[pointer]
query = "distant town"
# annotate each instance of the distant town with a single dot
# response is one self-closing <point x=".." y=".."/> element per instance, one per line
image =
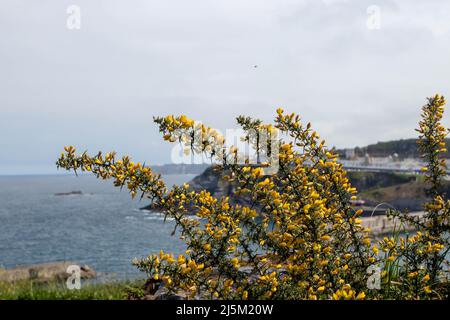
<point x="391" y="156"/>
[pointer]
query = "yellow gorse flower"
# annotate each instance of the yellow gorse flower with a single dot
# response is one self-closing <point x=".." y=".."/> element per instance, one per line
<point x="297" y="236"/>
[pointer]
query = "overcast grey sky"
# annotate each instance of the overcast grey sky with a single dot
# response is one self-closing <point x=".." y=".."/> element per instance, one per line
<point x="98" y="87"/>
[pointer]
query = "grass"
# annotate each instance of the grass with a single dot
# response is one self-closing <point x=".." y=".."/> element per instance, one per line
<point x="410" y="190"/>
<point x="29" y="290"/>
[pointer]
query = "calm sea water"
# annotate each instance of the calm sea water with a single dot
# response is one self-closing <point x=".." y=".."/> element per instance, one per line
<point x="103" y="227"/>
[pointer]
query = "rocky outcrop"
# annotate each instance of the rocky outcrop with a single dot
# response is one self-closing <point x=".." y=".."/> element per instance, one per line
<point x="44" y="272"/>
<point x="212" y="181"/>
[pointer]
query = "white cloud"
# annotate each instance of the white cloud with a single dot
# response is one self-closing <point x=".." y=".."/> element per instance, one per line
<point x="99" y="87"/>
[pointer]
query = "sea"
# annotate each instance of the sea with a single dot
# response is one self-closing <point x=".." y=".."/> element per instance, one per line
<point x="102" y="227"/>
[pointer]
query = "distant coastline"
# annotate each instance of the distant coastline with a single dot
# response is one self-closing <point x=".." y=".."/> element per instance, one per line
<point x="182" y="168"/>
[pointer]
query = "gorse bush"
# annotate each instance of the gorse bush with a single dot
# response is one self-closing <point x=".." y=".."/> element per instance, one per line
<point x="300" y="237"/>
<point x="421" y="261"/>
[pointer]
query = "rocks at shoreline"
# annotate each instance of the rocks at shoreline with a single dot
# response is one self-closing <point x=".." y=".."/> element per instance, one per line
<point x="44" y="272"/>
